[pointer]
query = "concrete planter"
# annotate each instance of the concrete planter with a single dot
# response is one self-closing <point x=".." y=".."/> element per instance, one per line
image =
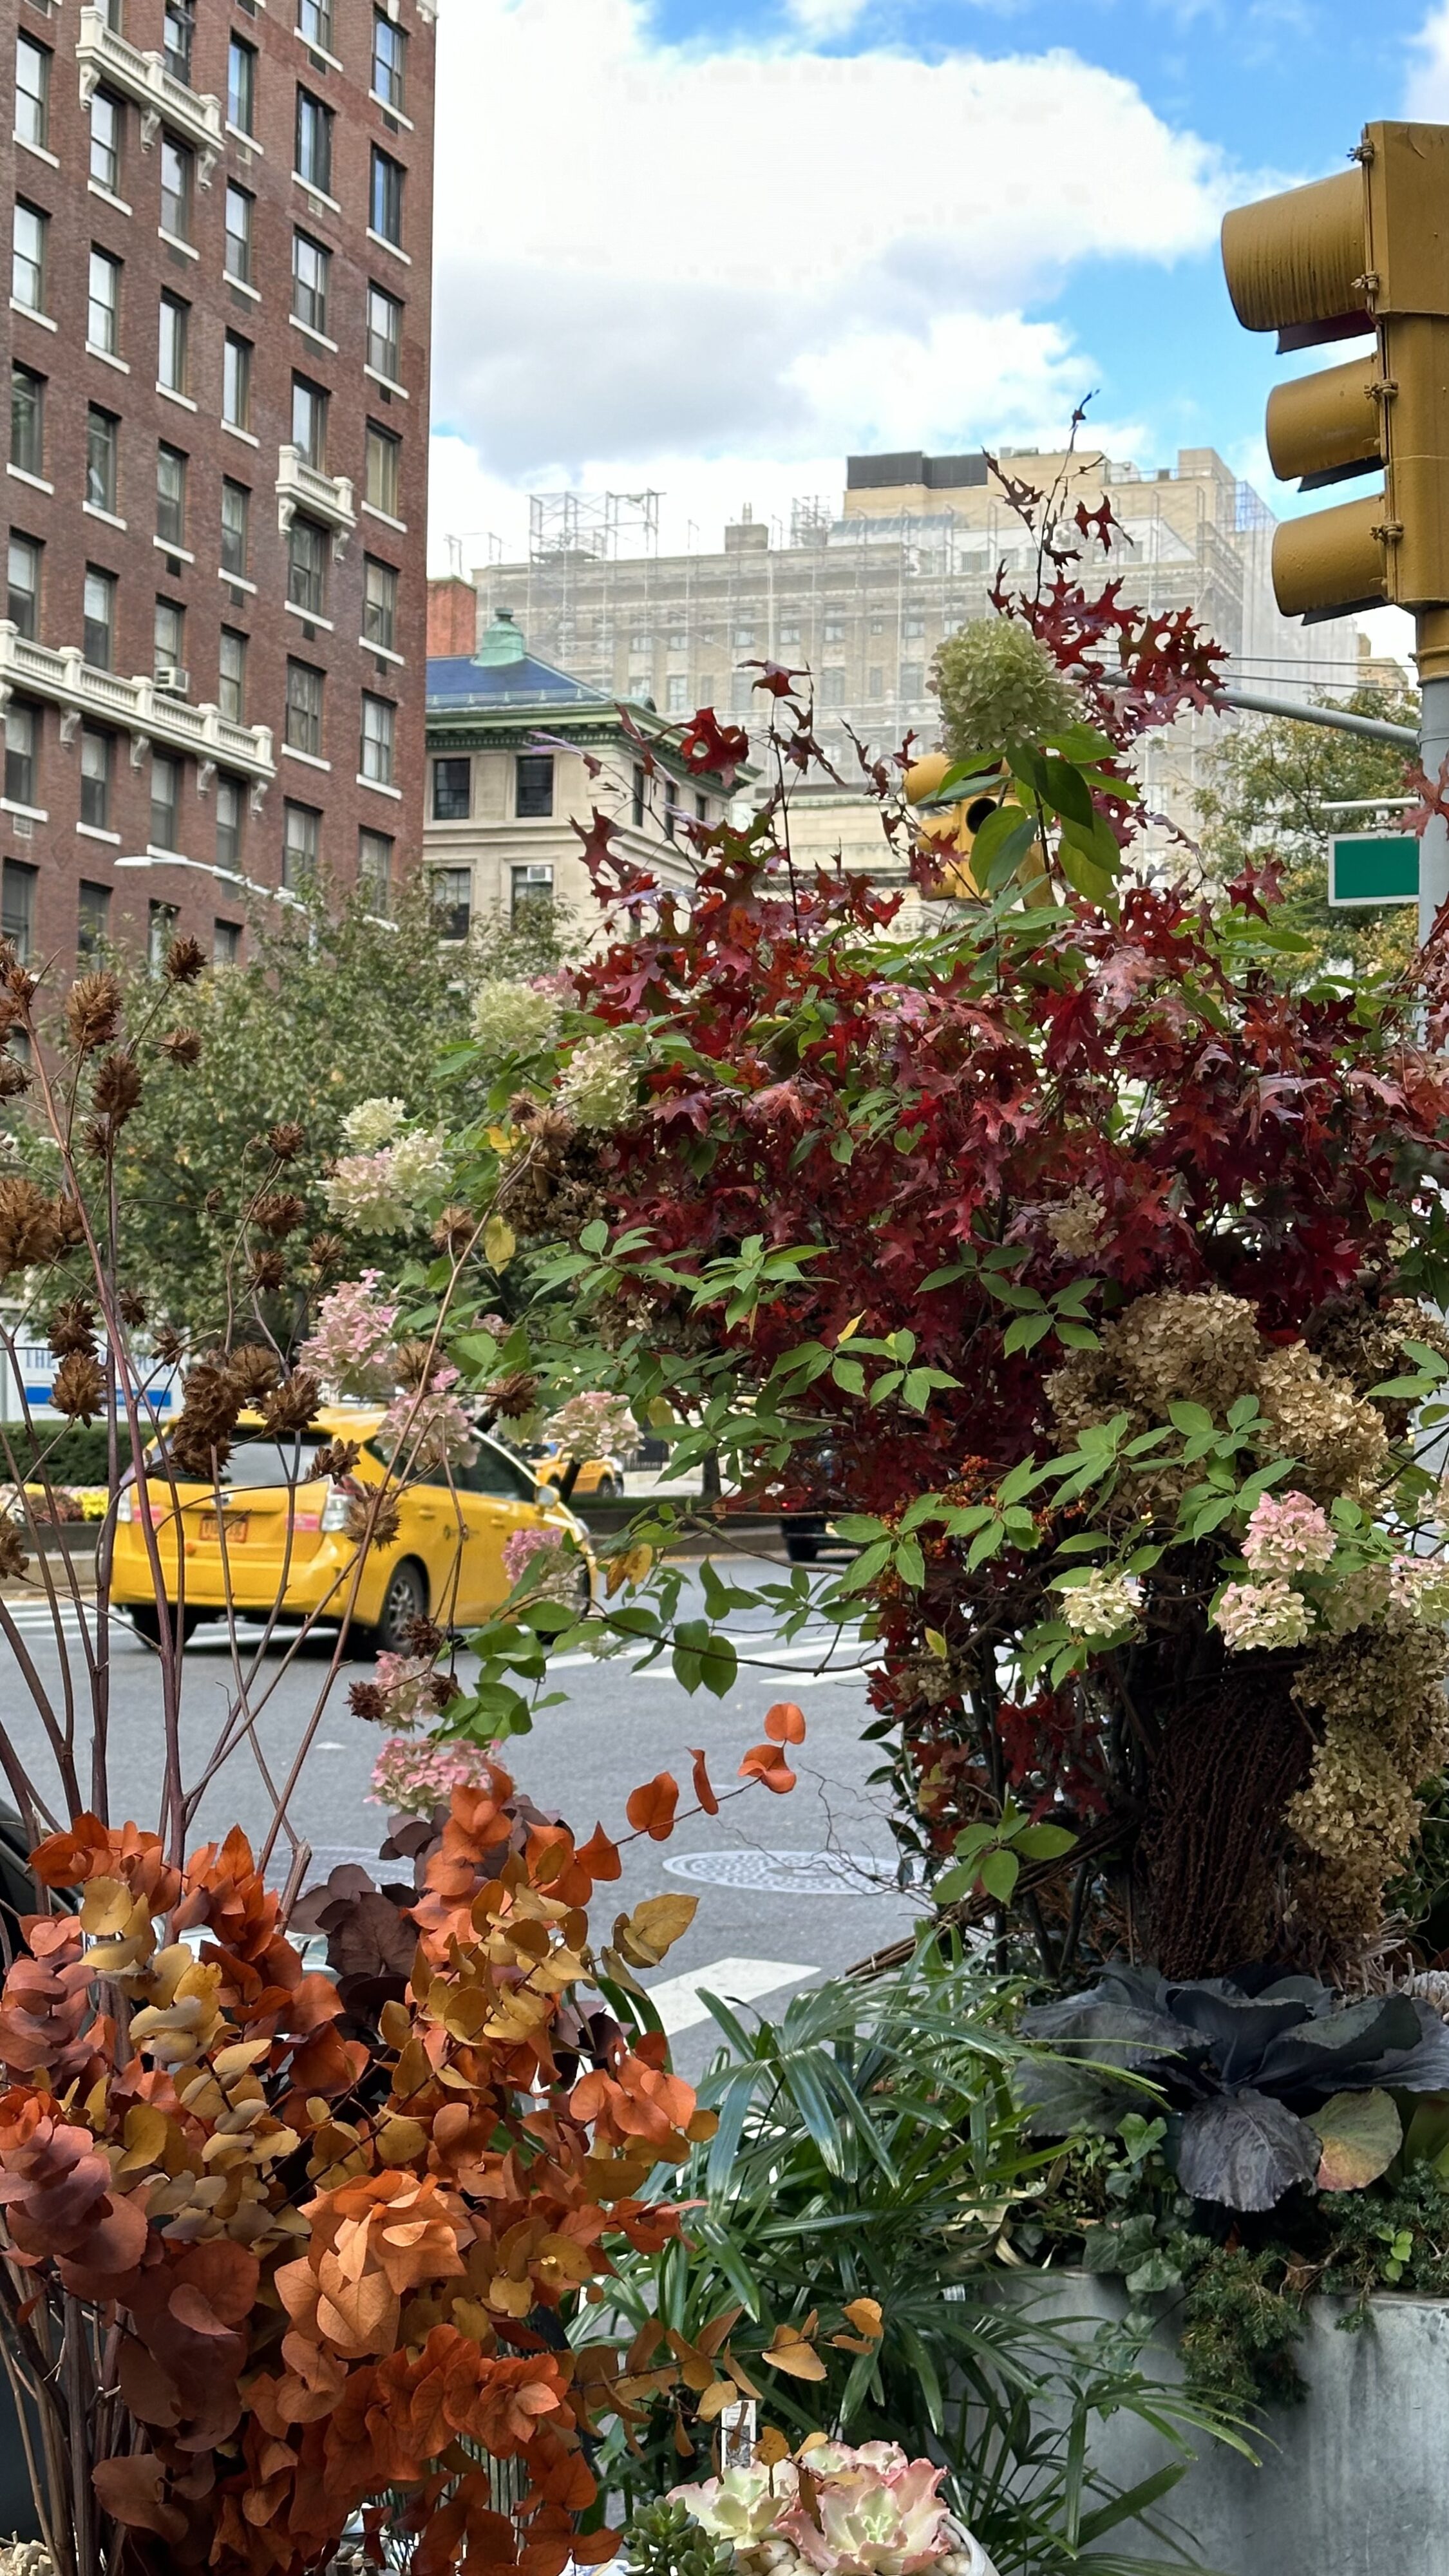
<point x="1351" y="2482"/>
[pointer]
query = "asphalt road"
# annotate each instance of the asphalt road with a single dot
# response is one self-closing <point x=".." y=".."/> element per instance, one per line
<point x="790" y="1888"/>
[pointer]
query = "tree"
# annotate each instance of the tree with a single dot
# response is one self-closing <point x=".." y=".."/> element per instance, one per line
<point x="1270" y="784"/>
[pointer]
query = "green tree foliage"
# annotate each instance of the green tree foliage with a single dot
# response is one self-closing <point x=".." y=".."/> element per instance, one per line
<point x="333" y="1006"/>
<point x="1268" y="784"/>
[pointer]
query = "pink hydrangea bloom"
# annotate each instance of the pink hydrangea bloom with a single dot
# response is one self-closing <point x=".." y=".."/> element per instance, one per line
<point x="429" y="1430"/>
<point x="351" y="1350"/>
<point x="411" y="1779"/>
<point x="1419" y="1588"/>
<point x="405" y="1681"/>
<point x="593" y="1426"/>
<point x="557" y="1576"/>
<point x="1262" y="1614"/>
<point x="1288" y="1534"/>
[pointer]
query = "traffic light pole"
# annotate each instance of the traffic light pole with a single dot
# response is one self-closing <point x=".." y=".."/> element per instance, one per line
<point x="1433" y="752"/>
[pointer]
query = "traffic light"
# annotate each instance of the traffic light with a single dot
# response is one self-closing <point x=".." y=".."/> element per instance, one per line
<point x="1364" y="255"/>
<point x="951" y="829"/>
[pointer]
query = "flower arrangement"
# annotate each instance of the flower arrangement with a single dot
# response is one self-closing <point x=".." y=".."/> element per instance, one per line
<point x="840" y="2512"/>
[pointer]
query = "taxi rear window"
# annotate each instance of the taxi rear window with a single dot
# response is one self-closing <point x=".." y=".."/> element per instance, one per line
<point x="254" y="1463"/>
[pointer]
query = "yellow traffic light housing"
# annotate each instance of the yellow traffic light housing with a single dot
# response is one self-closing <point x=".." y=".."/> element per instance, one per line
<point x="952" y="829"/>
<point x="1364" y="254"/>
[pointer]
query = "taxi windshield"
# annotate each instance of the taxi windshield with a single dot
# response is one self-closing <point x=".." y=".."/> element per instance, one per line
<point x="255" y="1463"/>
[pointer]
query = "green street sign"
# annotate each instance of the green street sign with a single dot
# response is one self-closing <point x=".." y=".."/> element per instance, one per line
<point x="1372" y="867"/>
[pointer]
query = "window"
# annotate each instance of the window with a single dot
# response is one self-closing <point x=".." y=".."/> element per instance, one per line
<point x="27" y="421"/>
<point x="374" y="869"/>
<point x="877" y="626"/>
<point x="533" y="774"/>
<point x="314" y="21"/>
<point x="744" y="636"/>
<point x="231" y="696"/>
<point x="389" y="62"/>
<point x="304" y="708"/>
<point x="27" y="271"/>
<point x="678" y="640"/>
<point x="913" y="679"/>
<point x="701" y="809"/>
<point x="93" y="922"/>
<point x="177" y="170"/>
<point x="169" y="656"/>
<point x="301" y="845"/>
<point x="311" y="265"/>
<point x="386" y="199"/>
<point x="789" y="635"/>
<point x="238" y="253"/>
<point x="226" y="942"/>
<point x="832" y="687"/>
<point x="379" y="739"/>
<point x="235" y="519"/>
<point x="532" y="891"/>
<point x="32" y="92"/>
<point x="913" y="626"/>
<point x="384" y="477"/>
<point x="165" y="801"/>
<point x="706" y="689"/>
<point x="236" y="382"/>
<point x="314" y="142"/>
<point x="308" y="547"/>
<point x="379" y="605"/>
<point x="638" y="797"/>
<point x="641" y="643"/>
<point x="22" y="730"/>
<point x="309" y="422"/>
<point x="22" y="605"/>
<point x="170" y="495"/>
<point x="452" y="790"/>
<point x="178" y="30"/>
<point x="742" y="694"/>
<point x="95" y="768"/>
<point x="103" y="303"/>
<point x="231" y="806"/>
<point x="875" y="682"/>
<point x="384" y="334"/>
<point x="103" y="449"/>
<point x="671" y="814"/>
<point x="241" y="86"/>
<point x="161" y="930"/>
<point x="677" y="693"/>
<point x="171" y="358"/>
<point x="17" y="906"/>
<point x="452" y="892"/>
<point x="99" y="619"/>
<point x="106" y="114"/>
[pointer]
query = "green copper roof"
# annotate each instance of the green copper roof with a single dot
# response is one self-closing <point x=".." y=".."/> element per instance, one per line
<point x="502" y="643"/>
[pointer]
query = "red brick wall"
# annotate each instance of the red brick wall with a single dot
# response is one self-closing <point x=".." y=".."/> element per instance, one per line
<point x="62" y="855"/>
<point x="452" y="617"/>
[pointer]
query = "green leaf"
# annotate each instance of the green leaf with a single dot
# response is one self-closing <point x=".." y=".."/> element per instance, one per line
<point x="911" y="1564"/>
<point x="1001" y="845"/>
<point x="1063" y="787"/>
<point x="1361" y="2133"/>
<point x="1044" y="1842"/>
<point x="1026" y="1331"/>
<point x="1078" y="1337"/>
<point x="998" y="1874"/>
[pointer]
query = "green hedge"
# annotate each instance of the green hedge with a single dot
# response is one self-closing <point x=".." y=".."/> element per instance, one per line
<point x="74" y="1454"/>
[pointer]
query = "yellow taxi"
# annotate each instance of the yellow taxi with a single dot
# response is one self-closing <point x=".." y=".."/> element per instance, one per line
<point x="600" y="1478"/>
<point x="274" y="1538"/>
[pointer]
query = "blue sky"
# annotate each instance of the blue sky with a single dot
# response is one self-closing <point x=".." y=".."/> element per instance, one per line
<point x="737" y="241"/>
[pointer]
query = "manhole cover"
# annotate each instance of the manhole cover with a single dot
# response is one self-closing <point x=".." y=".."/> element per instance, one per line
<point x="788" y="1873"/>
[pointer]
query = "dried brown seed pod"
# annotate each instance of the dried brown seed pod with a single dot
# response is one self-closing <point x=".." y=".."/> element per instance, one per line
<point x="93" y="1011"/>
<point x="254" y="1371"/>
<point x="268" y="1270"/>
<point x="292" y="1407"/>
<point x="422" y="1638"/>
<point x="337" y="1460"/>
<point x="417" y="1361"/>
<point x="185" y="959"/>
<point x="133" y="1308"/>
<point x="70" y="1223"/>
<point x="369" y="1703"/>
<point x="79" y="1390"/>
<point x="118" y="1088"/>
<point x="13" y="1078"/>
<point x="326" y="1253"/>
<point x="13" y="1558"/>
<point x="455" y="1230"/>
<point x="29" y="1226"/>
<point x="510" y="1398"/>
<point x="375" y="1523"/>
<point x="170" y="1348"/>
<point x="72" y="1327"/>
<point x="278" y="1212"/>
<point x="183" y="1046"/>
<point x="286" y="1140"/>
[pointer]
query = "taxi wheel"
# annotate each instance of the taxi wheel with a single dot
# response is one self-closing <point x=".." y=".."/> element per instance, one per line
<point x="607" y="1488"/>
<point x="145" y="1618"/>
<point x="405" y="1600"/>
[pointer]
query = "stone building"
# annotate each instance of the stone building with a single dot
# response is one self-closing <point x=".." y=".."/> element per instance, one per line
<point x="520" y="757"/>
<point x="863" y="591"/>
<point x="217" y="340"/>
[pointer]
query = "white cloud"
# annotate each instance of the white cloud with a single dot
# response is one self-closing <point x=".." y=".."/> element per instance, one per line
<point x="695" y="267"/>
<point x="827" y="17"/>
<point x="1427" y="92"/>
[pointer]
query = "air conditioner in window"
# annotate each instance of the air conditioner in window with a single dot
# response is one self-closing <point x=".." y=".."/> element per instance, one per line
<point x="173" y="683"/>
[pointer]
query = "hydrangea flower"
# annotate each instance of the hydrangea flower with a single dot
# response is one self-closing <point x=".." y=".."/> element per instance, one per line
<point x="393" y="1190"/>
<point x="1419" y="1589"/>
<point x="430" y="1429"/>
<point x="555" y="1580"/>
<point x="372" y="1123"/>
<point x="592" y="1426"/>
<point x="351" y="1349"/>
<point x="1102" y="1608"/>
<point x="998" y="685"/>
<point x="412" y="1779"/>
<point x="1288" y="1534"/>
<point x="598" y="1088"/>
<point x="1262" y="1614"/>
<point x="513" y="1018"/>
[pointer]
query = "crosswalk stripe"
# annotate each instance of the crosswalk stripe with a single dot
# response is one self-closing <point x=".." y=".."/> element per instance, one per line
<point x="735" y="1981"/>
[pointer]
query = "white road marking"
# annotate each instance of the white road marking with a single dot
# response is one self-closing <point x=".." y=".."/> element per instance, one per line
<point x="735" y="1981"/>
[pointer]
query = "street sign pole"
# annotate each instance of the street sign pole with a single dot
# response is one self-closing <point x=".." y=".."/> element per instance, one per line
<point x="1433" y="658"/>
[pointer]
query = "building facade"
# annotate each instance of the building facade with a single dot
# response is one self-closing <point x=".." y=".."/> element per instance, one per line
<point x="217" y="340"/>
<point x="862" y="593"/>
<point x="520" y="758"/>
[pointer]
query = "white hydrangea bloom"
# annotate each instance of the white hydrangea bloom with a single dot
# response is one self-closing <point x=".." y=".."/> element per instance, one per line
<point x="598" y="1088"/>
<point x="372" y="1123"/>
<point x="513" y="1018"/>
<point x="1103" y="1607"/>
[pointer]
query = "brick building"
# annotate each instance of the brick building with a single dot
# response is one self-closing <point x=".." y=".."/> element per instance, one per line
<point x="213" y="648"/>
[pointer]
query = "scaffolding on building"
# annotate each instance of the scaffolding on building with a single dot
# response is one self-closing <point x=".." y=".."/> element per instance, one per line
<point x="602" y="526"/>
